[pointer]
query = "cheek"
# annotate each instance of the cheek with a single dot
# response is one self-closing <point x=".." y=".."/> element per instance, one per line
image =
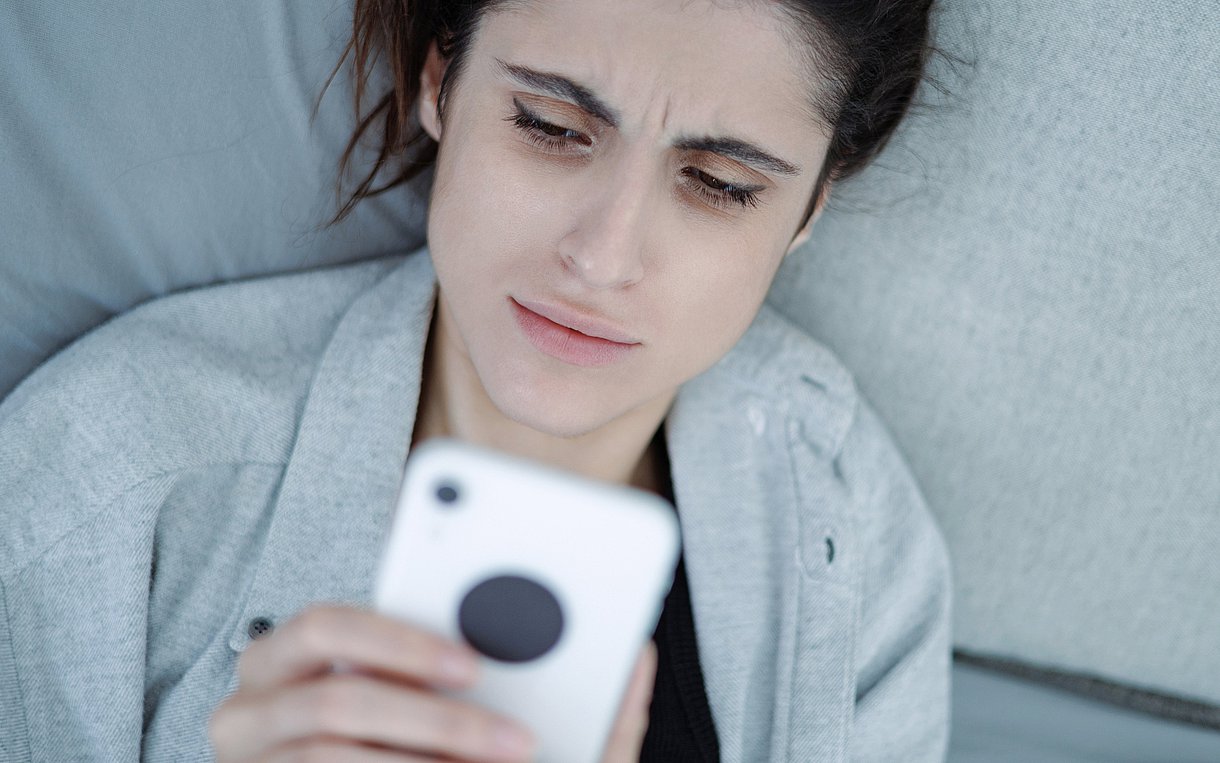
<point x="487" y="197"/>
<point x="711" y="305"/>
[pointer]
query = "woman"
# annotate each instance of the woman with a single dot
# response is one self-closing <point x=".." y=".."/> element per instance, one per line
<point x="195" y="494"/>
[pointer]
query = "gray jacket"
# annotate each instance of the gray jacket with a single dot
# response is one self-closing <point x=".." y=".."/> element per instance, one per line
<point x="233" y="452"/>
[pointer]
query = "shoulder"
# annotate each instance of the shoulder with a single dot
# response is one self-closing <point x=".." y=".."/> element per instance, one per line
<point x="220" y="352"/>
<point x="841" y="440"/>
<point x="905" y="583"/>
<point x="861" y="489"/>
<point x="856" y="514"/>
<point x="901" y="552"/>
<point x="903" y="651"/>
<point x="887" y="496"/>
<point x="781" y="366"/>
<point x="210" y="375"/>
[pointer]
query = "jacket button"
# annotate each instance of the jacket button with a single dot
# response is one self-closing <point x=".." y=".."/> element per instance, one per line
<point x="260" y="626"/>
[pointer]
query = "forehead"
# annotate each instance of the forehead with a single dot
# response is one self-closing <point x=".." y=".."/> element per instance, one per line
<point x="695" y="65"/>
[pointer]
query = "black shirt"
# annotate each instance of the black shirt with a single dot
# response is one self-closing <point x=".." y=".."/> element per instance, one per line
<point x="680" y="726"/>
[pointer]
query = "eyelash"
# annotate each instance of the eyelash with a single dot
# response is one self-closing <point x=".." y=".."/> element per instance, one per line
<point x="721" y="195"/>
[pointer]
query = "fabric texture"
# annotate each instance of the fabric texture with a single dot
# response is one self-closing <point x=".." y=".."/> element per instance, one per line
<point x="1027" y="285"/>
<point x="234" y="452"/>
<point x="1107" y="692"/>
<point x="149" y="147"/>
<point x="1000" y="718"/>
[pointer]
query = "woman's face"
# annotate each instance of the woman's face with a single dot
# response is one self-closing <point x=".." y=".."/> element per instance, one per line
<point x="634" y="168"/>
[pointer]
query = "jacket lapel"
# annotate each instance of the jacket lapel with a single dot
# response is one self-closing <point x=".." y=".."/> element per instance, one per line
<point x="337" y="496"/>
<point x="751" y="444"/>
<point x="734" y="517"/>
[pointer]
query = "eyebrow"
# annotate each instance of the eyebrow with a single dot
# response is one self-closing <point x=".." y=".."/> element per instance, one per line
<point x="562" y="87"/>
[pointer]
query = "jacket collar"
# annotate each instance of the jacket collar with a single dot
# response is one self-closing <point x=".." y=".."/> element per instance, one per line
<point x="729" y="433"/>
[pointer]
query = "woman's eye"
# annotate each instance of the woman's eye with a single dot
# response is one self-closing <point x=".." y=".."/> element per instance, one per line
<point x="545" y="135"/>
<point x="718" y="193"/>
<point x="555" y="139"/>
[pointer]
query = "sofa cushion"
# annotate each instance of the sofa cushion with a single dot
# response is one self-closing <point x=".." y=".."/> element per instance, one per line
<point x="148" y="147"/>
<point x="999" y="718"/>
<point x="1027" y="285"/>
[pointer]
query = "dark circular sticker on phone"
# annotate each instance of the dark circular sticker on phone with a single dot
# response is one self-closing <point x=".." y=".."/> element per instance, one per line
<point x="511" y="618"/>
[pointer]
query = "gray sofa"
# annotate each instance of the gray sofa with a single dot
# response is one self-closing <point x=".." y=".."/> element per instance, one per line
<point x="1026" y="286"/>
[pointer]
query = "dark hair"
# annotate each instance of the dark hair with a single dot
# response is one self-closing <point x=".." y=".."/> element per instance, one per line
<point x="867" y="57"/>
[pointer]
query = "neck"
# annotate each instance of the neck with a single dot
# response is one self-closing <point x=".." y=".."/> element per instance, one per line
<point x="453" y="403"/>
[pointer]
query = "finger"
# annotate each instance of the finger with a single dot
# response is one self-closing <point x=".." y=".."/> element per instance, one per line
<point x="314" y="751"/>
<point x="357" y="708"/>
<point x="627" y="736"/>
<point x="322" y="636"/>
<point x="331" y="749"/>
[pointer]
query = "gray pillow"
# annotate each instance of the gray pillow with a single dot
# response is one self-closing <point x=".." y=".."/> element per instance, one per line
<point x="148" y="147"/>
<point x="1031" y="296"/>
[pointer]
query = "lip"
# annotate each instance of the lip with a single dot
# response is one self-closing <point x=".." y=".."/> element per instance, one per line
<point x="568" y="318"/>
<point x="566" y="343"/>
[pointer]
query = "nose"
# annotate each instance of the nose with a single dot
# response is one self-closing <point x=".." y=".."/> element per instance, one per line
<point x="605" y="248"/>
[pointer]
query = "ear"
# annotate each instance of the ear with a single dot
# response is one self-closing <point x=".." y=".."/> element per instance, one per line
<point x="803" y="234"/>
<point x="429" y="92"/>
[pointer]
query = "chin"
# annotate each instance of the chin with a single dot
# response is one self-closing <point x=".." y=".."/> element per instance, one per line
<point x="545" y="405"/>
<point x="548" y="419"/>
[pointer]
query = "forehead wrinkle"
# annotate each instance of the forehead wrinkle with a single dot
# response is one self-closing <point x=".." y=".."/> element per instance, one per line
<point x="603" y="72"/>
<point x="811" y="52"/>
<point x="728" y="146"/>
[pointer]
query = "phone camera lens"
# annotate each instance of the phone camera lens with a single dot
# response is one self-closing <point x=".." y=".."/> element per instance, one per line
<point x="446" y="493"/>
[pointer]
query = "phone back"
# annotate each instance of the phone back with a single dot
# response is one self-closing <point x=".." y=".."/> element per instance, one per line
<point x="557" y="580"/>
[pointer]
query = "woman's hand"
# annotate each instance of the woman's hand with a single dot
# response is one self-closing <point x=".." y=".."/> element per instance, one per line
<point x="628" y="734"/>
<point x="379" y="706"/>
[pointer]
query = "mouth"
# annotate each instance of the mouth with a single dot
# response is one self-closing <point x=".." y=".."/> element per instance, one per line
<point x="586" y="343"/>
<point x="571" y="319"/>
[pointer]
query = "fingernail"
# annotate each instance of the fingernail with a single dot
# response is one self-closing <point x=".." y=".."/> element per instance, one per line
<point x="513" y="740"/>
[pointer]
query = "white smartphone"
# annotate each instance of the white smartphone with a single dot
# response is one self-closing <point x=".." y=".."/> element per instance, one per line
<point x="556" y="580"/>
